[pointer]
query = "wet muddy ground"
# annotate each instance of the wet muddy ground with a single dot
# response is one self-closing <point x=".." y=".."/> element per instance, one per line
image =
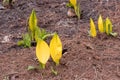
<point x="84" y="58"/>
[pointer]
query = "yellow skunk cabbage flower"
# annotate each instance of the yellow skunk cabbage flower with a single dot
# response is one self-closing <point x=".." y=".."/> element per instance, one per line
<point x="108" y="26"/>
<point x="42" y="52"/>
<point x="100" y="24"/>
<point x="73" y="2"/>
<point x="92" y="28"/>
<point x="32" y="23"/>
<point x="56" y="48"/>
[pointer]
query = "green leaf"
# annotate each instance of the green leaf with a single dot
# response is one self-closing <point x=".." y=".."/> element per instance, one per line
<point x="26" y="42"/>
<point x="41" y="34"/>
<point x="41" y="66"/>
<point x="54" y="71"/>
<point x="69" y="5"/>
<point x="20" y="43"/>
<point x="108" y="26"/>
<point x="37" y="34"/>
<point x="113" y="34"/>
<point x="47" y="35"/>
<point x="31" y="68"/>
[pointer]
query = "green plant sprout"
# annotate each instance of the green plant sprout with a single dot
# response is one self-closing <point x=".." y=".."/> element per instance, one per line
<point x="54" y="71"/>
<point x="34" y="32"/>
<point x="41" y="34"/>
<point x="103" y="27"/>
<point x="31" y="68"/>
<point x="43" y="50"/>
<point x="26" y="42"/>
<point x="74" y="4"/>
<point x="108" y="28"/>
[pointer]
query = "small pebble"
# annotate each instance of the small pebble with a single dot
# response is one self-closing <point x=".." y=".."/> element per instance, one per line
<point x="2" y="7"/>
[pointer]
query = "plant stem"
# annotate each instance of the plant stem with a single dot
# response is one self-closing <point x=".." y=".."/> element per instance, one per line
<point x="48" y="35"/>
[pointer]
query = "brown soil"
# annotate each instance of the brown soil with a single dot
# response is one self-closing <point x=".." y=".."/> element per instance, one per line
<point x="84" y="58"/>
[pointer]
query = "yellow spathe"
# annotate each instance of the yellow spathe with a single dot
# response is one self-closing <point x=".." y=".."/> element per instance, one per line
<point x="92" y="28"/>
<point x="100" y="24"/>
<point x="42" y="51"/>
<point x="56" y="48"/>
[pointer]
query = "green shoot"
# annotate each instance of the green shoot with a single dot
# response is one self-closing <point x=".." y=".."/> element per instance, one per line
<point x="41" y="66"/>
<point x="108" y="28"/>
<point x="26" y="42"/>
<point x="31" y="68"/>
<point x="39" y="33"/>
<point x="34" y="32"/>
<point x="113" y="34"/>
<point x="103" y="26"/>
<point x="54" y="71"/>
<point x="69" y="5"/>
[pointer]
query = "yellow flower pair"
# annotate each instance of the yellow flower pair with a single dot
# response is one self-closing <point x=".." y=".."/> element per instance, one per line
<point x="43" y="51"/>
<point x="102" y="26"/>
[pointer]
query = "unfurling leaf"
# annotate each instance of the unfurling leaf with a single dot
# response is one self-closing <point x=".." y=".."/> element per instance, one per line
<point x="32" y="23"/>
<point x="113" y="34"/>
<point x="39" y="34"/>
<point x="108" y="26"/>
<point x="31" y="68"/>
<point x="69" y="5"/>
<point x="92" y="28"/>
<point x="42" y="52"/>
<point x="54" y="71"/>
<point x="100" y="24"/>
<point x="56" y="48"/>
<point x="26" y="42"/>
